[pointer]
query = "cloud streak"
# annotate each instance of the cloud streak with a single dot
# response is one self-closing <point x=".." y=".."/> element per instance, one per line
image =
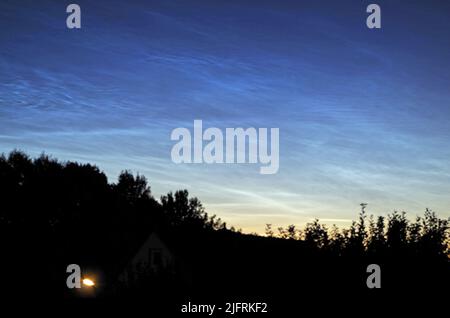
<point x="363" y="116"/>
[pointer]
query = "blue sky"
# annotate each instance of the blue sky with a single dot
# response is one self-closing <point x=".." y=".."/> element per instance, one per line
<point x="364" y="115"/>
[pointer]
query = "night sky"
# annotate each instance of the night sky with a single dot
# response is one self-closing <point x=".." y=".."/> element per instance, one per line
<point x="364" y="115"/>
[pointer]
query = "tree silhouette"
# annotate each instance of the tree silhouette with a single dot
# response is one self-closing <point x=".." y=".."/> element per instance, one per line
<point x="66" y="212"/>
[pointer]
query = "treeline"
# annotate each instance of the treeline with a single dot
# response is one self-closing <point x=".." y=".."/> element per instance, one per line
<point x="50" y="194"/>
<point x="56" y="213"/>
<point x="426" y="236"/>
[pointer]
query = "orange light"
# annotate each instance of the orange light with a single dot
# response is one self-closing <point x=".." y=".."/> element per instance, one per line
<point x="88" y="282"/>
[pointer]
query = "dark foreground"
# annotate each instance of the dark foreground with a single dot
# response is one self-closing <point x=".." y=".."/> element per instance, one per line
<point x="170" y="255"/>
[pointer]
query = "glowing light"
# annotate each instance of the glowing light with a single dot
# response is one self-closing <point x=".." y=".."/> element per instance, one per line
<point x="88" y="282"/>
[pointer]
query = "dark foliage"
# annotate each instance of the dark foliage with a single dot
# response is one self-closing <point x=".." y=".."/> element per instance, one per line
<point x="53" y="214"/>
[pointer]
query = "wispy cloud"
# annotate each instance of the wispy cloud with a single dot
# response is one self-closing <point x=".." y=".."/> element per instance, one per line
<point x="362" y="116"/>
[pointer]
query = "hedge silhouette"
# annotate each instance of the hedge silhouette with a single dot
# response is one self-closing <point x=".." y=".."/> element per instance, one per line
<point x="56" y="213"/>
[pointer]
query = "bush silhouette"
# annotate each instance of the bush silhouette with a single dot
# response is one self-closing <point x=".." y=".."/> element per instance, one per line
<point x="56" y="213"/>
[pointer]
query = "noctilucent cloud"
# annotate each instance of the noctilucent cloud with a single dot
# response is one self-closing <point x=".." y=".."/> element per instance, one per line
<point x="364" y="115"/>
